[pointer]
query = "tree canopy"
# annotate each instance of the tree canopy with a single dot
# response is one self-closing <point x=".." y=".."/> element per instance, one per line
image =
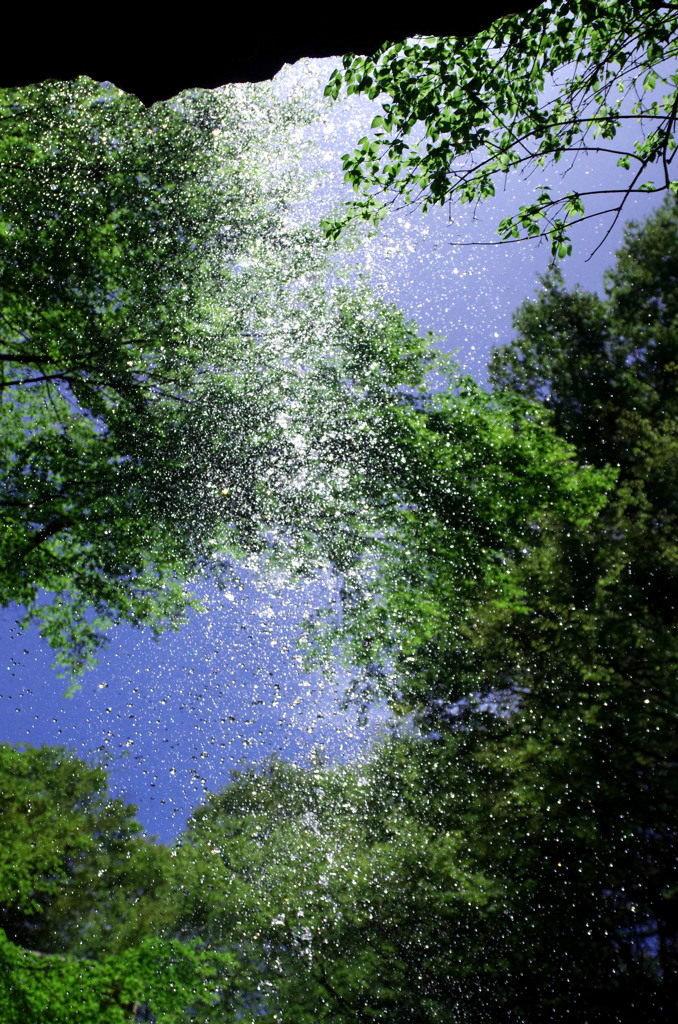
<point x="180" y="388"/>
<point x="110" y="217"/>
<point x="83" y="898"/>
<point x="534" y="90"/>
<point x="531" y="775"/>
<point x="155" y="340"/>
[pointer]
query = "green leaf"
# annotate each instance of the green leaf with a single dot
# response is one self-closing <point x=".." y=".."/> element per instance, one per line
<point x="490" y="91"/>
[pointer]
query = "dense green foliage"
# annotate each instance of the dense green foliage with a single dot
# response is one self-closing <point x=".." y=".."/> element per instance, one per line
<point x="169" y="976"/>
<point x="439" y="490"/>
<point x="552" y="83"/>
<point x="599" y="655"/>
<point x="83" y="903"/>
<point x="71" y="856"/>
<point x="349" y="900"/>
<point x="174" y="392"/>
<point x="114" y="354"/>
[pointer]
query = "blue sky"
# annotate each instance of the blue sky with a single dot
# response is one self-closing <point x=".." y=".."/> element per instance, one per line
<point x="175" y="716"/>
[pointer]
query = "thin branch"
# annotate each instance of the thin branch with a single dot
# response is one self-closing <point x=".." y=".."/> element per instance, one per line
<point x="324" y="981"/>
<point x="543" y="234"/>
<point x="37" y="380"/>
<point x="618" y="213"/>
<point x="56" y="411"/>
<point x="56" y="526"/>
<point x="22" y="357"/>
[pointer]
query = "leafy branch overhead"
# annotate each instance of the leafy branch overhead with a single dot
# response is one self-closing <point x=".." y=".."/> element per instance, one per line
<point x="536" y="89"/>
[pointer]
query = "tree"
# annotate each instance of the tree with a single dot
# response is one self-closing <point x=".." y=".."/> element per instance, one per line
<point x="175" y="982"/>
<point x="176" y="394"/>
<point x="616" y="622"/>
<point x="550" y="84"/>
<point x="460" y="483"/>
<point x="83" y="898"/>
<point x="581" y="788"/>
<point x="72" y="857"/>
<point x="510" y="855"/>
<point x="108" y="221"/>
<point x="150" y="337"/>
<point x="538" y="782"/>
<point x="178" y="391"/>
<point x="338" y="889"/>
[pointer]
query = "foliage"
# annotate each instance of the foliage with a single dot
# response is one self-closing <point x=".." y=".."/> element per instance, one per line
<point x="177" y="394"/>
<point x="151" y="340"/>
<point x="585" y="792"/>
<point x="455" y="484"/>
<point x="63" y="989"/>
<point x="83" y="902"/>
<point x="73" y="859"/>
<point x="546" y="85"/>
<point x="534" y="781"/>
<point x="108" y="220"/>
<point x="511" y="855"/>
<point x="421" y="883"/>
<point x="616" y="651"/>
<point x="326" y="878"/>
